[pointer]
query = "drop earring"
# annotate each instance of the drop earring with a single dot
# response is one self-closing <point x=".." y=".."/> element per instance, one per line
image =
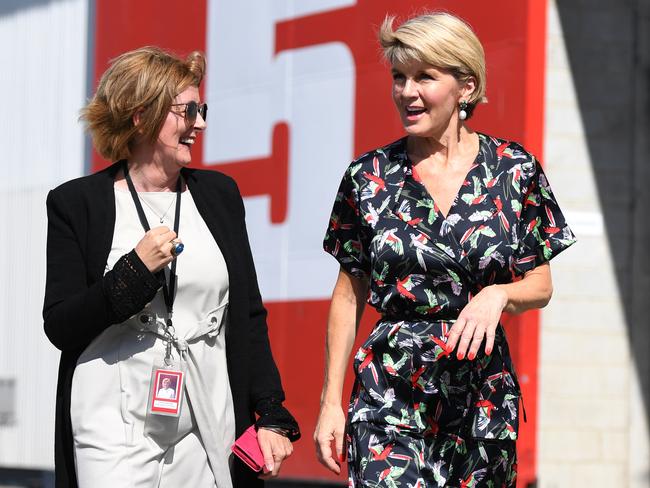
<point x="462" y="115"/>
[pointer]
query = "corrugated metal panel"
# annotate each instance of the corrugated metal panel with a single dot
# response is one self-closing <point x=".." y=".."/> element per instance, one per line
<point x="43" y="85"/>
<point x="7" y="401"/>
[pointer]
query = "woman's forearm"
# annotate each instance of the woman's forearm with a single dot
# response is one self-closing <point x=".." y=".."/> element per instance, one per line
<point x="348" y="299"/>
<point x="340" y="337"/>
<point x="533" y="291"/>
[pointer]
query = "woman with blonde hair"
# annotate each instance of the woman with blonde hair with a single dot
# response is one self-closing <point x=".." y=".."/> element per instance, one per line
<point x="150" y="278"/>
<point x="441" y="231"/>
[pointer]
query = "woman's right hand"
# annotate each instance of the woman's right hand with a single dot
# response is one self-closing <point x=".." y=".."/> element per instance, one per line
<point x="330" y="427"/>
<point x="155" y="248"/>
<point x="348" y="299"/>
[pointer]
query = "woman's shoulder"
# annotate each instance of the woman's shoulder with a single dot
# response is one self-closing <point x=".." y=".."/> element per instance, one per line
<point x="379" y="161"/>
<point x="212" y="179"/>
<point x="510" y="159"/>
<point x="390" y="152"/>
<point x="209" y="176"/>
<point x="506" y="153"/>
<point x="87" y="186"/>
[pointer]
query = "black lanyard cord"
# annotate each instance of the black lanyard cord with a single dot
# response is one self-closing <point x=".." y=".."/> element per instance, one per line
<point x="168" y="290"/>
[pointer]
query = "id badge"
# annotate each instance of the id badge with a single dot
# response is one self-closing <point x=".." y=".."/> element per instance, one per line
<point x="166" y="390"/>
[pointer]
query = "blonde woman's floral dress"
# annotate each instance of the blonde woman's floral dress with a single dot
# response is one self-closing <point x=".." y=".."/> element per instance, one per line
<point x="418" y="417"/>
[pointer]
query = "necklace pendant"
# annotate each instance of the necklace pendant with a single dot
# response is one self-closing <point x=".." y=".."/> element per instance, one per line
<point x="161" y="220"/>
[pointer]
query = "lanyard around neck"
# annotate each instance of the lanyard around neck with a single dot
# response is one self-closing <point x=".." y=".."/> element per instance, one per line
<point x="168" y="290"/>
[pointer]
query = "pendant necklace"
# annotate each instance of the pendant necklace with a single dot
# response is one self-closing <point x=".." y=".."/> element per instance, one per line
<point x="160" y="217"/>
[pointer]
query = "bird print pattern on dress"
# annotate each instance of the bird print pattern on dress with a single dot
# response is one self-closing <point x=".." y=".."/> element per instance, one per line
<point x="423" y="268"/>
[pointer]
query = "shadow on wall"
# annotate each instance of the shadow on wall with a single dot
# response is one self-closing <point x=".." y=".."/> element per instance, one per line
<point x="608" y="44"/>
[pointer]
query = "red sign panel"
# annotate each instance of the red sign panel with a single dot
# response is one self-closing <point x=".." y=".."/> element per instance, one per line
<point x="295" y="91"/>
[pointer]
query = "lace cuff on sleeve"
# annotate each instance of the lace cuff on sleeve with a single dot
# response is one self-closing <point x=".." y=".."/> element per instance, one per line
<point x="129" y="286"/>
<point x="277" y="418"/>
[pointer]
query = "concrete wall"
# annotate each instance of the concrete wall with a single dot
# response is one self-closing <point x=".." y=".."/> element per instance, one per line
<point x="593" y="428"/>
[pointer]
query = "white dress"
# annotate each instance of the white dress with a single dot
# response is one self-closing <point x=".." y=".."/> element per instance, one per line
<point x="115" y="442"/>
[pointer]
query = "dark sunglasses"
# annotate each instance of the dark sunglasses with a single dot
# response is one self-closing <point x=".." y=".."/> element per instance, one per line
<point x="192" y="109"/>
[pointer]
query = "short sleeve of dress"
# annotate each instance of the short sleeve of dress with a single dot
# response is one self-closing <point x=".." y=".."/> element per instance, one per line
<point x="346" y="237"/>
<point x="542" y="230"/>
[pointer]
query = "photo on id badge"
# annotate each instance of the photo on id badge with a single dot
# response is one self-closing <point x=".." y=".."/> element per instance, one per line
<point x="167" y="387"/>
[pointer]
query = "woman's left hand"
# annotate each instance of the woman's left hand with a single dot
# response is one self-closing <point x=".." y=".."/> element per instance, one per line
<point x="275" y="449"/>
<point x="478" y="320"/>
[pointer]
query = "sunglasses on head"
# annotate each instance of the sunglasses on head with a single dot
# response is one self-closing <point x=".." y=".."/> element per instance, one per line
<point x="192" y="109"/>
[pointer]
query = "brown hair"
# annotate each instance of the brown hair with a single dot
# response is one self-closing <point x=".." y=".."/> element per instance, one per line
<point x="145" y="80"/>
<point x="441" y="40"/>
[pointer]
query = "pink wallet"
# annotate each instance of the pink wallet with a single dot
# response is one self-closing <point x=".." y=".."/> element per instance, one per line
<point x="248" y="449"/>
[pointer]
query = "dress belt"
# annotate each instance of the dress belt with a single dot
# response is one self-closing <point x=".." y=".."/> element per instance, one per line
<point x="153" y="323"/>
<point x="211" y="431"/>
<point x="416" y="318"/>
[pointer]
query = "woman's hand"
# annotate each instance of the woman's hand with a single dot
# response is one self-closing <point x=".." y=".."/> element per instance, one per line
<point x="155" y="248"/>
<point x="275" y="449"/>
<point x="481" y="315"/>
<point x="478" y="320"/>
<point x="330" y="427"/>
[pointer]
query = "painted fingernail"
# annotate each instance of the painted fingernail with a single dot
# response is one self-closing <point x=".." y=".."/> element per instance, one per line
<point x="460" y="355"/>
<point x="488" y="351"/>
<point x="471" y="356"/>
<point x="341" y="458"/>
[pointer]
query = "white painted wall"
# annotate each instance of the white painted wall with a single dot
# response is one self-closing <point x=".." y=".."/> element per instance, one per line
<point x="590" y="406"/>
<point x="43" y="85"/>
<point x="312" y="90"/>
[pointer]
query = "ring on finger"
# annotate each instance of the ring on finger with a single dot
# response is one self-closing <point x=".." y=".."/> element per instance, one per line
<point x="177" y="247"/>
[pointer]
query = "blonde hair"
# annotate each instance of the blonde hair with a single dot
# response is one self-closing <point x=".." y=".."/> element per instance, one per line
<point x="441" y="40"/>
<point x="145" y="80"/>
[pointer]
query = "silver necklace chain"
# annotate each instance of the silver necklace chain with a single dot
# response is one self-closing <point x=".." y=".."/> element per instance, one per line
<point x="160" y="217"/>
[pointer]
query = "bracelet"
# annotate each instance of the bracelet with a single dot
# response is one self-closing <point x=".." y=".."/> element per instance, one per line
<point x="277" y="430"/>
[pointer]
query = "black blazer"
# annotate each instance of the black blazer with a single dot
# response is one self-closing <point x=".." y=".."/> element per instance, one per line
<point x="81" y="218"/>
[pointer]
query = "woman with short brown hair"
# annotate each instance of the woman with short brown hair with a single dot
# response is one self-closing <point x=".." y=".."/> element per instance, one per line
<point x="141" y="292"/>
